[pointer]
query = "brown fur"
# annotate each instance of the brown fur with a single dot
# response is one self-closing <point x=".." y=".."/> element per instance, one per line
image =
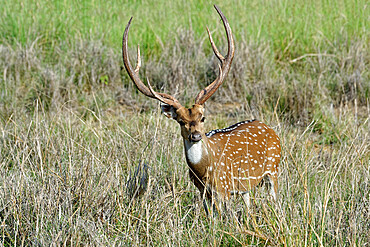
<point x="234" y="159"/>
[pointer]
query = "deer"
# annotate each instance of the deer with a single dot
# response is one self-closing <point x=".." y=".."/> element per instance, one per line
<point x="222" y="162"/>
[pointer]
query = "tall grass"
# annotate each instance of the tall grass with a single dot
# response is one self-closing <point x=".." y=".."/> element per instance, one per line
<point x="63" y="181"/>
<point x="72" y="125"/>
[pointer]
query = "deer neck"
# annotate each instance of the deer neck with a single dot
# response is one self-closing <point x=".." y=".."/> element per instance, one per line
<point x="193" y="151"/>
<point x="196" y="155"/>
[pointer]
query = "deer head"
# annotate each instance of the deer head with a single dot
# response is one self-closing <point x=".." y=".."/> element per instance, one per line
<point x="191" y="119"/>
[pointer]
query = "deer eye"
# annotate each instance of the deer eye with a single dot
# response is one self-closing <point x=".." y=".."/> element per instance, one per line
<point x="202" y="120"/>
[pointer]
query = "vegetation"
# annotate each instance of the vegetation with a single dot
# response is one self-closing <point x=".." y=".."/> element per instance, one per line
<point x="73" y="126"/>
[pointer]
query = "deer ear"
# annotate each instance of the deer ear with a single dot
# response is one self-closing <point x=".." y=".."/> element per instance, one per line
<point x="169" y="111"/>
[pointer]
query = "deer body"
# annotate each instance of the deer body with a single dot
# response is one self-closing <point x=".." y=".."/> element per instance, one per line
<point x="235" y="159"/>
<point x="225" y="161"/>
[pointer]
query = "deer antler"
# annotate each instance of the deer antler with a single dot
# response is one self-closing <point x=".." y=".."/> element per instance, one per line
<point x="134" y="74"/>
<point x="207" y="92"/>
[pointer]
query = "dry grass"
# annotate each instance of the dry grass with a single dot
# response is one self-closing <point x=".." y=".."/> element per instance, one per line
<point x="63" y="181"/>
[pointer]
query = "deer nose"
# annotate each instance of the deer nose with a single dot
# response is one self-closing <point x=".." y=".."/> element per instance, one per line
<point x="195" y="137"/>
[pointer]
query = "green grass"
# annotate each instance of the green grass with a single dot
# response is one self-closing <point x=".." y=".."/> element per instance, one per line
<point x="290" y="27"/>
<point x="73" y="126"/>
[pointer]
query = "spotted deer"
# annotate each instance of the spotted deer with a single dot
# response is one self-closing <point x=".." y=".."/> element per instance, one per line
<point x="221" y="162"/>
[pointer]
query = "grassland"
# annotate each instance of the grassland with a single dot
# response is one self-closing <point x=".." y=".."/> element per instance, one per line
<point x="73" y="126"/>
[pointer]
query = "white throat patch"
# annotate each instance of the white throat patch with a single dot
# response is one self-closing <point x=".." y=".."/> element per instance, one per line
<point x="193" y="151"/>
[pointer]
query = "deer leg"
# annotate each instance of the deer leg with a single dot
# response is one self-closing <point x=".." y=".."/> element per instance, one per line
<point x="247" y="199"/>
<point x="211" y="202"/>
<point x="272" y="186"/>
<point x="205" y="205"/>
<point x="211" y="207"/>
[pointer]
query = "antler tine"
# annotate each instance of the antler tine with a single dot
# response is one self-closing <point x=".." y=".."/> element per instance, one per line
<point x="134" y="73"/>
<point x="207" y="92"/>
<point x="162" y="99"/>
<point x="214" y="48"/>
<point x="138" y="65"/>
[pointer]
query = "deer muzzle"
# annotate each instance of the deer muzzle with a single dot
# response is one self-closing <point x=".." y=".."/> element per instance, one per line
<point x="195" y="137"/>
